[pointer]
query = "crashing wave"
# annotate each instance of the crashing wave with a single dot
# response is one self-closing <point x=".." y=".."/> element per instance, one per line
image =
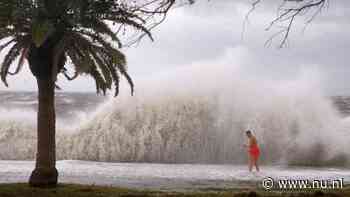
<point x="201" y="123"/>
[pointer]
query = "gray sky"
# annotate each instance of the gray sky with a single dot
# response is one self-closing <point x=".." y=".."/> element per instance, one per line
<point x="211" y="33"/>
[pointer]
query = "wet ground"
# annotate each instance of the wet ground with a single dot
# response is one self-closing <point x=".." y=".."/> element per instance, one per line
<point x="168" y="176"/>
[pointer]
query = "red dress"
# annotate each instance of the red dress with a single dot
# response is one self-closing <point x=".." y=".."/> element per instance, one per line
<point x="254" y="150"/>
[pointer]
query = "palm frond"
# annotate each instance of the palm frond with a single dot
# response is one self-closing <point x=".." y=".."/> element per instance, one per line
<point x="11" y="56"/>
<point x="3" y="46"/>
<point x="100" y="28"/>
<point x="24" y="53"/>
<point x="101" y="61"/>
<point x="116" y="78"/>
<point x="104" y="68"/>
<point x="99" y="81"/>
<point x="123" y="71"/>
<point x="136" y="25"/>
<point x="85" y="63"/>
<point x="106" y="46"/>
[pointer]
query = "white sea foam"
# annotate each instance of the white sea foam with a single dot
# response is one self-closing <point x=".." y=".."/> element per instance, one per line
<point x="198" y="114"/>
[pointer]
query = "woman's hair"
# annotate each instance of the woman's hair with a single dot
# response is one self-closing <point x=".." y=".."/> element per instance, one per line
<point x="248" y="132"/>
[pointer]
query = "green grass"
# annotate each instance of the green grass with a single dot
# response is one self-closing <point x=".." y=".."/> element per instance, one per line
<point x="70" y="190"/>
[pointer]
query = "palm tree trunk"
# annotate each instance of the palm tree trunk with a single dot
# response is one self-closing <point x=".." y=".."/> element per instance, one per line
<point x="45" y="173"/>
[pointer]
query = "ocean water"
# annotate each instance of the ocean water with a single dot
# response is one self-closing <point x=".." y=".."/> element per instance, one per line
<point x="69" y="106"/>
<point x="177" y="142"/>
<point x="180" y="129"/>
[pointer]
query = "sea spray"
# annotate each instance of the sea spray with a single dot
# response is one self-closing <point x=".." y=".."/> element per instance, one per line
<point x="200" y="118"/>
<point x="17" y="140"/>
<point x="200" y="129"/>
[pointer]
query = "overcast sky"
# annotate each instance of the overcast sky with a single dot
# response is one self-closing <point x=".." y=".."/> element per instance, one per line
<point x="211" y="33"/>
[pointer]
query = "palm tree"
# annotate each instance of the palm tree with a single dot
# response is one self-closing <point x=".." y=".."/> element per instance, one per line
<point x="53" y="34"/>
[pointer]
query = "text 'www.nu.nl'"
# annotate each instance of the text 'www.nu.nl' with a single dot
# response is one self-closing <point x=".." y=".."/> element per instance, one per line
<point x="269" y="183"/>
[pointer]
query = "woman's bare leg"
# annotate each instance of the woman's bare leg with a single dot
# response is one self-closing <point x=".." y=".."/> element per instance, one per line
<point x="250" y="163"/>
<point x="256" y="164"/>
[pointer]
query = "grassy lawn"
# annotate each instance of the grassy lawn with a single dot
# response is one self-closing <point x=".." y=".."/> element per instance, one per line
<point x="70" y="190"/>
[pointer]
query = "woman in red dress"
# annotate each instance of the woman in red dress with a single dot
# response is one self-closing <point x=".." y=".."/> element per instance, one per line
<point x="253" y="151"/>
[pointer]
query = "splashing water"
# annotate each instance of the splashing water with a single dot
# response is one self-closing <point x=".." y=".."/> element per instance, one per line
<point x="201" y="118"/>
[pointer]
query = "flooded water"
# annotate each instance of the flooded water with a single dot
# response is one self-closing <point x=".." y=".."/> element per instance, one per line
<point x="168" y="176"/>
